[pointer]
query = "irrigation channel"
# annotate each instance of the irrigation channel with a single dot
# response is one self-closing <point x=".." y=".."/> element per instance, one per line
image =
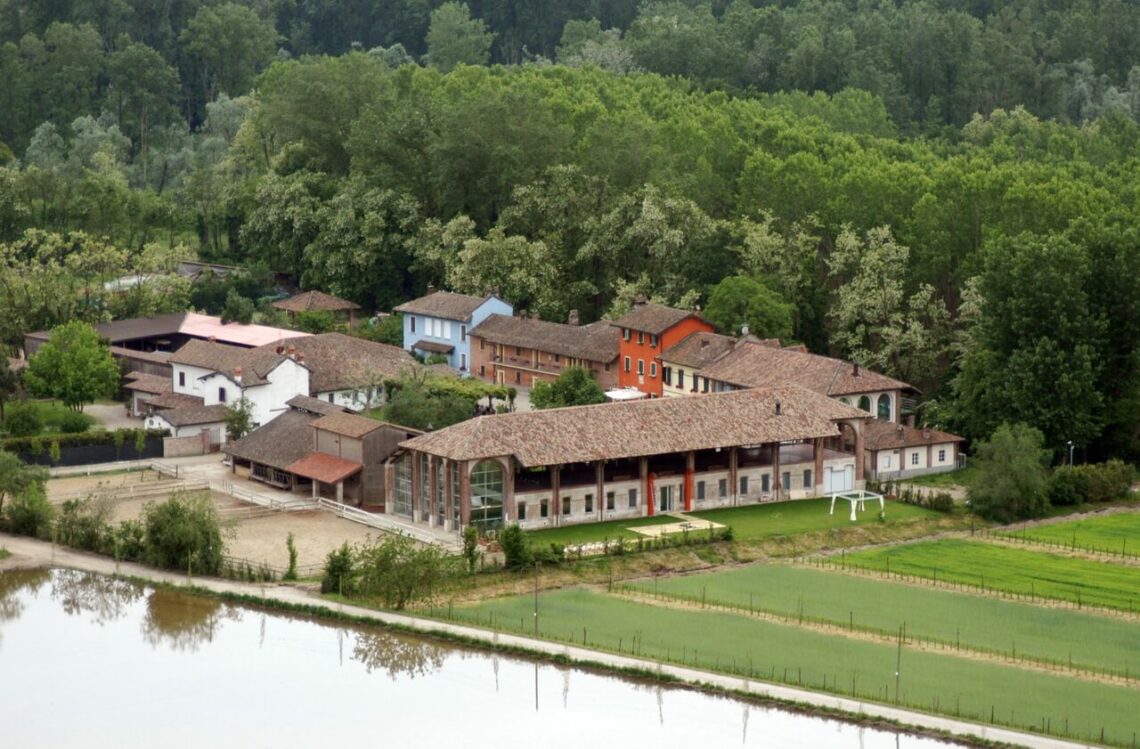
<point x="98" y="661"/>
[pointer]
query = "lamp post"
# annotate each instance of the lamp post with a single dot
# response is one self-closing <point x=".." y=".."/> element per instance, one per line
<point x="1070" y="444"/>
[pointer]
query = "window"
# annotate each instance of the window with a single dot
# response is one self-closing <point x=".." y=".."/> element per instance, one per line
<point x="706" y="385"/>
<point x="667" y="375"/>
<point x="744" y="485"/>
<point x="681" y="378"/>
<point x="518" y="377"/>
<point x="482" y="370"/>
<point x="941" y="456"/>
<point x="487" y="493"/>
<point x="627" y="364"/>
<point x="652" y="369"/>
<point x="482" y="343"/>
<point x="807" y="479"/>
<point x="653" y="340"/>
<point x="412" y="323"/>
<point x="544" y="508"/>
<point x="589" y="503"/>
<point x="722" y="488"/>
<point x="786" y="480"/>
<point x="887" y="460"/>
<point x="865" y="404"/>
<point x="766" y="483"/>
<point x="181" y="379"/>
<point x="700" y="490"/>
<point x="565" y="505"/>
<point x="518" y="350"/>
<point x="914" y="458"/>
<point x="463" y="362"/>
<point x="884" y="411"/>
<point x="845" y="401"/>
<point x="557" y="358"/>
<point x="331" y="398"/>
<point x="403" y="504"/>
<point x="625" y="334"/>
<point x="522" y="511"/>
<point x="462" y="333"/>
<point x="640" y="338"/>
<point x="610" y="500"/>
<point x="633" y="497"/>
<point x="640" y="366"/>
<point x="607" y="367"/>
<point x="221" y="395"/>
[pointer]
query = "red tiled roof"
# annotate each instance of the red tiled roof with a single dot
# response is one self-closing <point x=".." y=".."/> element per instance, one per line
<point x="192" y="415"/>
<point x="255" y="364"/>
<point x="583" y="434"/>
<point x="328" y="469"/>
<point x="347" y="425"/>
<point x="885" y="435"/>
<point x="698" y="350"/>
<point x="444" y="304"/>
<point x="342" y="362"/>
<point x="598" y="342"/>
<point x="435" y="348"/>
<point x="175" y="400"/>
<point x="147" y="383"/>
<point x="652" y="318"/>
<point x="315" y="300"/>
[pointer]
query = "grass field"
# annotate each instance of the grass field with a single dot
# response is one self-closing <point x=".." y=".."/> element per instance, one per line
<point x="960" y="477"/>
<point x="1113" y="534"/>
<point x="748" y="523"/>
<point x="785" y="653"/>
<point x="3" y="553"/>
<point x="1012" y="570"/>
<point x="52" y="414"/>
<point x="979" y="622"/>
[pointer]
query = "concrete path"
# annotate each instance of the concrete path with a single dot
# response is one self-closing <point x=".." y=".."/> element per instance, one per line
<point x="28" y="552"/>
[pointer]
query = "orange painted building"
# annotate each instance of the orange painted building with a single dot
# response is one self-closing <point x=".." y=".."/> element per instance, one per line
<point x="646" y="331"/>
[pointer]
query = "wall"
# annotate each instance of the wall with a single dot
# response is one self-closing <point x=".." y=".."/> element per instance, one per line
<point x="453" y="332"/>
<point x="895" y="396"/>
<point x="192" y="376"/>
<point x="350" y="399"/>
<point x="897" y="463"/>
<point x="524" y="366"/>
<point x="176" y="447"/>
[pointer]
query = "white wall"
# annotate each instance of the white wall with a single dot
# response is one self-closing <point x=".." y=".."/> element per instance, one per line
<point x="192" y="378"/>
<point x="350" y="399"/>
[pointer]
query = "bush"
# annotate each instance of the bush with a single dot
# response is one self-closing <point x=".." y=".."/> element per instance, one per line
<point x="1011" y="476"/>
<point x="516" y="549"/>
<point x="1108" y="481"/>
<point x="552" y="554"/>
<point x="23" y="419"/>
<point x="471" y="547"/>
<point x="128" y="541"/>
<point x="398" y="571"/>
<point x="291" y="572"/>
<point x="82" y="523"/>
<point x="339" y="574"/>
<point x="84" y="439"/>
<point x="1069" y="486"/>
<point x="940" y="502"/>
<point x="183" y="533"/>
<point x="30" y="513"/>
<point x="74" y="422"/>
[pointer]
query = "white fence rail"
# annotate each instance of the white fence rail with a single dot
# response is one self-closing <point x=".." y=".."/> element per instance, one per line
<point x="381" y="522"/>
<point x="263" y="500"/>
<point x="140" y="490"/>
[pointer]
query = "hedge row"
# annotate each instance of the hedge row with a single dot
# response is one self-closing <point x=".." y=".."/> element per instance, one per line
<point x="83" y="439"/>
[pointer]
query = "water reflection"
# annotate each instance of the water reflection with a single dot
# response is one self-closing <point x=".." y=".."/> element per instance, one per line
<point x="181" y="622"/>
<point x="13" y="583"/>
<point x="396" y="656"/>
<point x="104" y="598"/>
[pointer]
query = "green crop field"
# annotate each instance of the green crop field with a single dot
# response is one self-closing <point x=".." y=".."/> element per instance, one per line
<point x="1024" y="572"/>
<point x="737" y="643"/>
<point x="1113" y="534"/>
<point x="980" y="622"/>
<point x="805" y="516"/>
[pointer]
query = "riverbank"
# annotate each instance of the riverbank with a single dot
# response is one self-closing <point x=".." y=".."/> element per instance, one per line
<point x="27" y="553"/>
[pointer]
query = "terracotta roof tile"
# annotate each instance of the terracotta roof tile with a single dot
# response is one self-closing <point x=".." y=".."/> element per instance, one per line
<point x="444" y="304"/>
<point x="255" y="364"/>
<point x="342" y="362"/>
<point x="147" y="383"/>
<point x="174" y="400"/>
<point x="698" y="350"/>
<point x="309" y="301"/>
<point x="652" y="318"/>
<point x="759" y="365"/>
<point x="328" y="469"/>
<point x="191" y="415"/>
<point x="597" y="342"/>
<point x="281" y="441"/>
<point x="314" y="405"/>
<point x="646" y="427"/>
<point x="347" y="425"/>
<point x="432" y="346"/>
<point x="885" y="435"/>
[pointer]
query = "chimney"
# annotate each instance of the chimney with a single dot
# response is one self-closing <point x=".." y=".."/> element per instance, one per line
<point x="431" y="288"/>
<point x="291" y="352"/>
<point x="237" y="375"/>
<point x="743" y="330"/>
<point x="280" y="349"/>
<point x="855" y="369"/>
<point x="639" y="300"/>
<point x="704" y="343"/>
<point x="779" y="408"/>
<point x="572" y="318"/>
<point x="926" y="433"/>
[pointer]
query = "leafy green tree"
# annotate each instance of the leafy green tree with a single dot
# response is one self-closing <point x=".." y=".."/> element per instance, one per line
<point x="418" y="408"/>
<point x="30" y="513"/>
<point x="73" y="366"/>
<point x="398" y="571"/>
<point x="283" y="221"/>
<point x="231" y="45"/>
<point x="142" y="92"/>
<point x="574" y="387"/>
<point x="9" y="385"/>
<point x="315" y="321"/>
<point x="516" y="547"/>
<point x="24" y="419"/>
<point x="340" y="572"/>
<point x="238" y="308"/>
<point x="184" y="533"/>
<point x="518" y="270"/>
<point x="471" y="547"/>
<point x="739" y="301"/>
<point x="1011" y="479"/>
<point x="16" y="477"/>
<point x="455" y="38"/>
<point x="239" y="418"/>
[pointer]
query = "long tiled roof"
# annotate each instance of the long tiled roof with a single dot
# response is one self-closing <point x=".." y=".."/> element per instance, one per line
<point x="328" y="469"/>
<point x="147" y="383"/>
<point x="885" y="435"/>
<point x="314" y="405"/>
<point x="174" y="400"/>
<point x="341" y="362"/>
<point x="698" y="350"/>
<point x="347" y="425"/>
<point x="598" y="341"/>
<point x="308" y="301"/>
<point x="444" y="304"/>
<point x="191" y="415"/>
<point x="277" y="443"/>
<point x="758" y="365"/>
<point x="653" y="318"/>
<point x="636" y="428"/>
<point x="255" y="364"/>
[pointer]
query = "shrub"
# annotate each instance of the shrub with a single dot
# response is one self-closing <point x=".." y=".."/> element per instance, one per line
<point x="1011" y="474"/>
<point x="35" y="445"/>
<point x="516" y="549"/>
<point x="398" y="571"/>
<point x="75" y="422"/>
<point x="471" y="547"/>
<point x="1108" y="481"/>
<point x="82" y="523"/>
<point x="23" y="419"/>
<point x="339" y="574"/>
<point x="183" y="533"/>
<point x="1069" y="486"/>
<point x="291" y="573"/>
<point x="940" y="502"/>
<point x="30" y="514"/>
<point x="128" y="541"/>
<point x="552" y="554"/>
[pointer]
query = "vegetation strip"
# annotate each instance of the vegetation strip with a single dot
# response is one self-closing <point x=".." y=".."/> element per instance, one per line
<point x="942" y="618"/>
<point x="1029" y="575"/>
<point x="1101" y="534"/>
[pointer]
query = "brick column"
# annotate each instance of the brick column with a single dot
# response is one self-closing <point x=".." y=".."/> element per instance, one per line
<point x="555" y="488"/>
<point x="600" y="487"/>
<point x="690" y="468"/>
<point x="858" y="427"/>
<point x="433" y="486"/>
<point x="448" y="493"/>
<point x="733" y="484"/>
<point x="509" y="490"/>
<point x="416" y="480"/>
<point x="818" y="451"/>
<point x="643" y="466"/>
<point x="778" y="486"/>
<point x="464" y="493"/>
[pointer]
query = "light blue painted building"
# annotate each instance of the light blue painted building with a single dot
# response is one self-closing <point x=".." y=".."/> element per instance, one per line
<point x="439" y="323"/>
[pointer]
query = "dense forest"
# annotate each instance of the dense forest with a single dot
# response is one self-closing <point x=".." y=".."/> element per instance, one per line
<point x="942" y="190"/>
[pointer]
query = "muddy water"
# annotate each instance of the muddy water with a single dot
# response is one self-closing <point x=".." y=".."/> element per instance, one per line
<point x="90" y="661"/>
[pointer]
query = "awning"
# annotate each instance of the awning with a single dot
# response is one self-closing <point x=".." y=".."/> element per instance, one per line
<point x="328" y="469"/>
<point x="432" y="346"/>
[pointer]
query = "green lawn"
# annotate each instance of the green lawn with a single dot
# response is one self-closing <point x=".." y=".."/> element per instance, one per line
<point x="749" y="522"/>
<point x="777" y="652"/>
<point x="979" y="622"/>
<point x="3" y="553"/>
<point x="1013" y="570"/>
<point x="51" y="415"/>
<point x="960" y="477"/>
<point x="1113" y="534"/>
